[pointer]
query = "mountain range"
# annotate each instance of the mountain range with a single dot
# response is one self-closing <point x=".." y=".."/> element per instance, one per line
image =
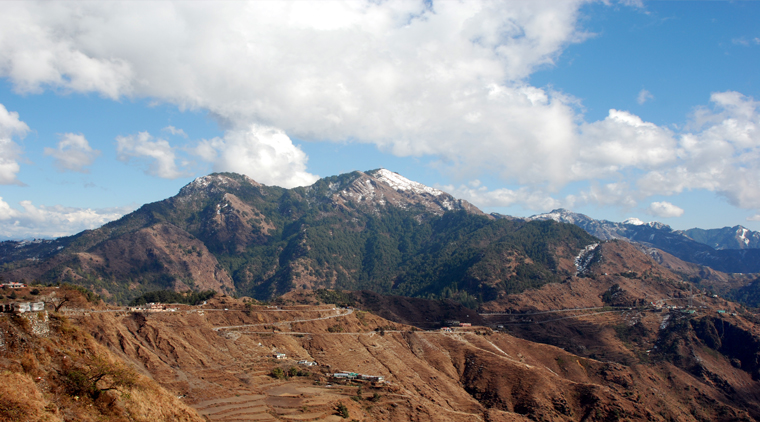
<point x="365" y="230"/>
<point x="730" y="249"/>
<point x="373" y="230"/>
<point x="358" y="273"/>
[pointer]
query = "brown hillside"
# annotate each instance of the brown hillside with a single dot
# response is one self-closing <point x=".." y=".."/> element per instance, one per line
<point x="469" y="375"/>
<point x="629" y="340"/>
<point x="52" y="370"/>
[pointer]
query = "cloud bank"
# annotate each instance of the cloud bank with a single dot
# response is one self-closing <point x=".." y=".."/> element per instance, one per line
<point x="42" y="222"/>
<point x="445" y="80"/>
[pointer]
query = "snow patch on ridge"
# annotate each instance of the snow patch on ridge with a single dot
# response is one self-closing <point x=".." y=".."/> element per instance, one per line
<point x="584" y="258"/>
<point x="400" y="183"/>
<point x="556" y="216"/>
<point x="743" y="237"/>
<point x="634" y="222"/>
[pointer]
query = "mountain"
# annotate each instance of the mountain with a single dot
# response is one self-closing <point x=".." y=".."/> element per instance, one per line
<point x="736" y="237"/>
<point x="604" y="333"/>
<point x="676" y="243"/>
<point x="372" y="230"/>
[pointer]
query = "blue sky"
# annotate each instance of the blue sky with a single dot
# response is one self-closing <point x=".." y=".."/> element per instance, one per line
<point x="612" y="109"/>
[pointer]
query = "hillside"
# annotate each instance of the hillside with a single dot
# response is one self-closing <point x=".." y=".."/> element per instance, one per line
<point x="538" y="355"/>
<point x="360" y="231"/>
<point x="625" y="339"/>
<point x="53" y="370"/>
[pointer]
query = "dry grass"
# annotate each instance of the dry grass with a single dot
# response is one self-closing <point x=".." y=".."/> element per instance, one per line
<point x="21" y="400"/>
<point x="70" y="376"/>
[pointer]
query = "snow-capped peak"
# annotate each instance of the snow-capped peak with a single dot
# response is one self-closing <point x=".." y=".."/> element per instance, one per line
<point x="559" y="215"/>
<point x="634" y="222"/>
<point x="400" y="183"/>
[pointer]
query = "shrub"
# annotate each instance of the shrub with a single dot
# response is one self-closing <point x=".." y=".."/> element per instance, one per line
<point x="97" y="376"/>
<point x="278" y="373"/>
<point x="342" y="411"/>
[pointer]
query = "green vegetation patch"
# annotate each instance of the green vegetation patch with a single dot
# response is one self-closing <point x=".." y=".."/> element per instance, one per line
<point x="169" y="296"/>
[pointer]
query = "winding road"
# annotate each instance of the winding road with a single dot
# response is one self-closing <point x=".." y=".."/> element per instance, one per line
<point x="233" y="327"/>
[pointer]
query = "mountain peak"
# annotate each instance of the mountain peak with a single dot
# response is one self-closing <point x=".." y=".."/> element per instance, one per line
<point x="561" y="215"/>
<point x="401" y="183"/>
<point x="216" y="181"/>
<point x="381" y="187"/>
<point x="634" y="222"/>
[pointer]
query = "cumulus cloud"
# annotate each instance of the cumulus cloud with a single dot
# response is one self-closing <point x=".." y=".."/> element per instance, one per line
<point x="413" y="77"/>
<point x="755" y="217"/>
<point x="156" y="155"/>
<point x="263" y="153"/>
<point x="644" y="96"/>
<point x="10" y="126"/>
<point x="446" y="80"/>
<point x="719" y="153"/>
<point x="623" y="140"/>
<point x="664" y="210"/>
<point x="73" y="153"/>
<point x="44" y="222"/>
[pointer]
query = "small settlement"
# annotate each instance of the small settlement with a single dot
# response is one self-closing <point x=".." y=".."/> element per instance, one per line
<point x="13" y="285"/>
<point x="152" y="307"/>
<point x="22" y="307"/>
<point x="355" y="376"/>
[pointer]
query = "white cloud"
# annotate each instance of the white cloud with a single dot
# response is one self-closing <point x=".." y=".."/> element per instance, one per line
<point x="633" y="3"/>
<point x="644" y="96"/>
<point x="746" y="42"/>
<point x="156" y="155"/>
<point x="446" y="79"/>
<point x="10" y="126"/>
<point x="720" y="153"/>
<point x="263" y="153"/>
<point x="174" y="131"/>
<point x="482" y="197"/>
<point x="755" y="217"/>
<point x="56" y="221"/>
<point x="73" y="153"/>
<point x="413" y="78"/>
<point x="664" y="210"/>
<point x="617" y="194"/>
<point x="620" y="141"/>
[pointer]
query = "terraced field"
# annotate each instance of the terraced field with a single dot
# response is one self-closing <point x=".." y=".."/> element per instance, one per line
<point x="249" y="407"/>
<point x="280" y="401"/>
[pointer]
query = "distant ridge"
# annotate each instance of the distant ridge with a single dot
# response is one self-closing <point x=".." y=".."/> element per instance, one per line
<point x="730" y="249"/>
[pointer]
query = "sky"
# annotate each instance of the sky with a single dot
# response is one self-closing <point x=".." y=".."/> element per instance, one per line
<point x="615" y="109"/>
